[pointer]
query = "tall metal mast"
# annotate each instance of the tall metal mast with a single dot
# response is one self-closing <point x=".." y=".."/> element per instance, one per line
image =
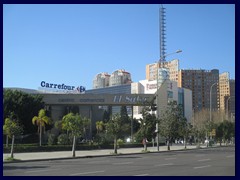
<point x="162" y="33"/>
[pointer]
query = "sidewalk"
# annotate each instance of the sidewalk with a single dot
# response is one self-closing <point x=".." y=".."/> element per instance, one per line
<point x="35" y="156"/>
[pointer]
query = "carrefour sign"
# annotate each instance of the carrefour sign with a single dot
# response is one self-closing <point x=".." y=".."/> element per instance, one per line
<point x="63" y="87"/>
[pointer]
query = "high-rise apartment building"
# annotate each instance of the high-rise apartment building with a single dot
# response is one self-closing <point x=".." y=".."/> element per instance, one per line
<point x="101" y="80"/>
<point x="224" y="89"/>
<point x="231" y="110"/>
<point x="172" y="66"/>
<point x="200" y="82"/>
<point x="227" y="95"/>
<point x="120" y="77"/>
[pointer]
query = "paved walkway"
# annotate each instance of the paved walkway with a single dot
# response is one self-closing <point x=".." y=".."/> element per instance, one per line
<point x="35" y="156"/>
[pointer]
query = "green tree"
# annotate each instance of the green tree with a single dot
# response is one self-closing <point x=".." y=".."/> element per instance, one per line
<point x="106" y="115"/>
<point x="126" y="121"/>
<point x="41" y="120"/>
<point x="5" y="133"/>
<point x="63" y="139"/>
<point x="58" y="125"/>
<point x="115" y="127"/>
<point x="76" y="125"/>
<point x="24" y="106"/>
<point x="99" y="126"/>
<point x="136" y="125"/>
<point x="219" y="133"/>
<point x="184" y="130"/>
<point x="200" y="125"/>
<point x="12" y="128"/>
<point x="147" y="126"/>
<point x="225" y="131"/>
<point x="11" y="116"/>
<point x="170" y="121"/>
<point x="124" y="114"/>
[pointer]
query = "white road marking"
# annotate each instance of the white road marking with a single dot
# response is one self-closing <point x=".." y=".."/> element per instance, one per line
<point x="42" y="170"/>
<point x="204" y="160"/>
<point x="169" y="164"/>
<point x="122" y="163"/>
<point x="141" y="175"/>
<point x="199" y="167"/>
<point x="170" y="158"/>
<point x="90" y="172"/>
<point x="93" y="162"/>
<point x="200" y="155"/>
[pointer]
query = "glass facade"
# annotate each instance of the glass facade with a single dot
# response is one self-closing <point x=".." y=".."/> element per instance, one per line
<point x="122" y="89"/>
<point x="181" y="99"/>
<point x="163" y="74"/>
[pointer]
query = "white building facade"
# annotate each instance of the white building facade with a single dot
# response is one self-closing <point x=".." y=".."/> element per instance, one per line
<point x="120" y="77"/>
<point x="169" y="91"/>
<point x="101" y="80"/>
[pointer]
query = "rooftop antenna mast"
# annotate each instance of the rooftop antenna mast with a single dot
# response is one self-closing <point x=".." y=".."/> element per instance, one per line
<point x="162" y="33"/>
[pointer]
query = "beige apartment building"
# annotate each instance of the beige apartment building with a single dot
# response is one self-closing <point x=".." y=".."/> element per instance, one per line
<point x="172" y="66"/>
<point x="227" y="95"/>
<point x="231" y="101"/>
<point x="199" y="81"/>
<point x="224" y="89"/>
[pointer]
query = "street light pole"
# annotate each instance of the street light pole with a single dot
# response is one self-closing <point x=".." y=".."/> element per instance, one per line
<point x="211" y="100"/>
<point x="157" y="129"/>
<point x="227" y="106"/>
<point x="132" y="126"/>
<point x="211" y="103"/>
<point x="177" y="51"/>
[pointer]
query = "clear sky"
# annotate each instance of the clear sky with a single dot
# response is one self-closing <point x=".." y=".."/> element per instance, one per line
<point x="70" y="44"/>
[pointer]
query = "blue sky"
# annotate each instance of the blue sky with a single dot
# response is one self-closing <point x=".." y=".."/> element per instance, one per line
<point x="70" y="44"/>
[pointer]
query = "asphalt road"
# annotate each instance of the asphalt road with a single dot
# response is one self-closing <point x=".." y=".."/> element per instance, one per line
<point x="203" y="162"/>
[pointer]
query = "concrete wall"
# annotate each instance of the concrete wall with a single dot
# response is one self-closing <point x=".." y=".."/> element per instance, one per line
<point x="188" y="104"/>
<point x="162" y="99"/>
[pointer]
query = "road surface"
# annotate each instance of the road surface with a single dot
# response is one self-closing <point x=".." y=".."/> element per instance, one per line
<point x="200" y="162"/>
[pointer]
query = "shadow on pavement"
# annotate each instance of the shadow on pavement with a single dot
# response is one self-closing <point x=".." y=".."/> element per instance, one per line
<point x="6" y="167"/>
<point x="127" y="157"/>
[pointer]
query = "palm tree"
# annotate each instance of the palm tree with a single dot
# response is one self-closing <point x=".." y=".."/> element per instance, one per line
<point x="41" y="120"/>
<point x="99" y="126"/>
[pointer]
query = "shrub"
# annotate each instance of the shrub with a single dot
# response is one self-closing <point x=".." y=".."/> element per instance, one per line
<point x="51" y="139"/>
<point x="120" y="142"/>
<point x="63" y="139"/>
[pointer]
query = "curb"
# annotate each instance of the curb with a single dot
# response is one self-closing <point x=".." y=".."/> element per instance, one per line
<point x="105" y="155"/>
<point x="92" y="156"/>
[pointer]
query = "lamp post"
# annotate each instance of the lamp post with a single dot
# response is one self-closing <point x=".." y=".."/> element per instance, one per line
<point x="157" y="129"/>
<point x="177" y="51"/>
<point x="132" y="126"/>
<point x="227" y="106"/>
<point x="211" y="100"/>
<point x="211" y="105"/>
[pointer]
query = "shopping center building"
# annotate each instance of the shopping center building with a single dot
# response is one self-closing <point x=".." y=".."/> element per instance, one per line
<point x="93" y="103"/>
